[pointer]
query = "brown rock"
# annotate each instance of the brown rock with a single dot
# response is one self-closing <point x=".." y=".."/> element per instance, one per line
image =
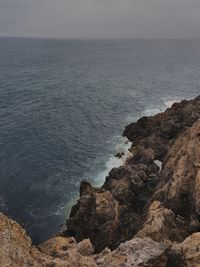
<point x="56" y="244"/>
<point x="15" y="245"/>
<point x="180" y="188"/>
<point x="16" y="249"/>
<point x="162" y="225"/>
<point x="158" y="132"/>
<point x="185" y="254"/>
<point x="114" y="213"/>
<point x="95" y="216"/>
<point x="134" y="253"/>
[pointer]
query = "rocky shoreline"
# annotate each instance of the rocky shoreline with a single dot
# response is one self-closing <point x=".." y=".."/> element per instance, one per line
<point x="141" y="216"/>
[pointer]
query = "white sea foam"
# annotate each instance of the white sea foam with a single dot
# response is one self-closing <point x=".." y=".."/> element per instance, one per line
<point x="160" y="107"/>
<point x="170" y="101"/>
<point x="2" y="203"/>
<point x="114" y="162"/>
<point x="151" y="111"/>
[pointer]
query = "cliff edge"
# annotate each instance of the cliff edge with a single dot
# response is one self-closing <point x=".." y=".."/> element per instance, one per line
<point x="143" y="215"/>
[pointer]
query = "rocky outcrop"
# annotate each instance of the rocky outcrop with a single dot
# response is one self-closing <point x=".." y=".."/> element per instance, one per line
<point x="162" y="205"/>
<point x="141" y="216"/>
<point x="134" y="253"/>
<point x="162" y="225"/>
<point x="180" y="187"/>
<point x="16" y="251"/>
<point x="15" y="246"/>
<point x="152" y="136"/>
<point x="112" y="214"/>
<point x="95" y="216"/>
<point x="186" y="253"/>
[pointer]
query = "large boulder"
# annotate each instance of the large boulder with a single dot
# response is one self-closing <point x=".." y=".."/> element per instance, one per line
<point x="95" y="216"/>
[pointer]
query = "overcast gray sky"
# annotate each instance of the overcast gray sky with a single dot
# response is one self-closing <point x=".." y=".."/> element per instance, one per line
<point x="100" y="18"/>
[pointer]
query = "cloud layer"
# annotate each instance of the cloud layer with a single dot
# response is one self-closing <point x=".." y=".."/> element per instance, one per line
<point x="100" y="18"/>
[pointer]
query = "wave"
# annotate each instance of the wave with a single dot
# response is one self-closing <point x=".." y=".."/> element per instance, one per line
<point x="113" y="161"/>
<point x="161" y="106"/>
<point x="3" y="206"/>
<point x="168" y="102"/>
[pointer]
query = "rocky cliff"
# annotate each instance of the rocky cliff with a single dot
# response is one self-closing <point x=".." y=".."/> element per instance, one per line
<point x="141" y="216"/>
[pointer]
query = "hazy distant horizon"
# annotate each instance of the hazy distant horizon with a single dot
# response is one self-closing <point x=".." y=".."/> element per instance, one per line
<point x="100" y="19"/>
<point x="100" y="39"/>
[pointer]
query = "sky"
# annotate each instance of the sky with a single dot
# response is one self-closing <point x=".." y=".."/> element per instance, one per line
<point x="100" y="18"/>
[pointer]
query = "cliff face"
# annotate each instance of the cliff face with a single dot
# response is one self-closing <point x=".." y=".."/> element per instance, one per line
<point x="141" y="216"/>
<point x="115" y="213"/>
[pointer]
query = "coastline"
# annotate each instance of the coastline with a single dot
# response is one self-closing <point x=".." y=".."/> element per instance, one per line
<point x="123" y="144"/>
<point x="141" y="214"/>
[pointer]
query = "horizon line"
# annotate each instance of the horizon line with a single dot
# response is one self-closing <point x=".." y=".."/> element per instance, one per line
<point x="99" y="38"/>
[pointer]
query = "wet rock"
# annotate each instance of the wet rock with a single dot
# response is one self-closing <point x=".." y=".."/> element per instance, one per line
<point x="119" y="155"/>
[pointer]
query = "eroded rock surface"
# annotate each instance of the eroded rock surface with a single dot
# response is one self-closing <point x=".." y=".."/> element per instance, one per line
<point x="15" y="246"/>
<point x="187" y="252"/>
<point x="16" y="251"/>
<point x="163" y="225"/>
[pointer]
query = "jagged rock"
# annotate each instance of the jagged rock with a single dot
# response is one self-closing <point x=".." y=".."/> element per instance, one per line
<point x="130" y="189"/>
<point x="133" y="185"/>
<point x="15" y="245"/>
<point x="162" y="225"/>
<point x="95" y="216"/>
<point x="57" y="244"/>
<point x="134" y="253"/>
<point x="67" y="252"/>
<point x="16" y="249"/>
<point x="180" y="188"/>
<point x="185" y="254"/>
<point x="112" y="214"/>
<point x="157" y="133"/>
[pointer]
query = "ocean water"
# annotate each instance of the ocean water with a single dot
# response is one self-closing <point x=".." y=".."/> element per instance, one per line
<point x="63" y="107"/>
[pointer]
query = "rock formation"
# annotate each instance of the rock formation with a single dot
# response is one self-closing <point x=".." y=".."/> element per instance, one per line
<point x="141" y="216"/>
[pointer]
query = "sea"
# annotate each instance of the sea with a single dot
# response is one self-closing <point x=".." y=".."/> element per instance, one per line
<point x="63" y="108"/>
